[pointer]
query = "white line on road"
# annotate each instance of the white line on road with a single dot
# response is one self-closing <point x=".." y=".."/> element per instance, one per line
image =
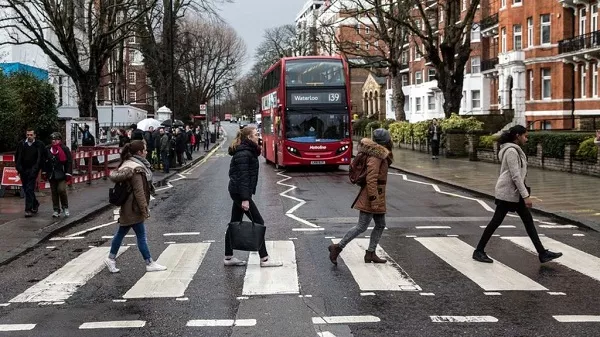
<point x="221" y="322"/>
<point x="183" y="299"/>
<point x="489" y="276"/>
<point x="113" y="325"/>
<point x="16" y="327"/>
<point x="111" y="236"/>
<point x="433" y="227"/>
<point x="50" y="247"/>
<point x="501" y="226"/>
<point x="67" y="238"/>
<point x="557" y="226"/>
<point x="578" y="234"/>
<point x="577" y="318"/>
<point x="300" y="202"/>
<point x="92" y="229"/>
<point x="119" y="300"/>
<point x="427" y="294"/>
<point x="367" y="294"/>
<point x="492" y="293"/>
<point x="182" y="261"/>
<point x="308" y="223"/>
<point x="181" y="234"/>
<point x="304" y="229"/>
<point x="64" y="282"/>
<point x="556" y="293"/>
<point x="206" y="157"/>
<point x="463" y="319"/>
<point x="325" y="334"/>
<point x="278" y="280"/>
<point x="372" y="276"/>
<point x="572" y="258"/>
<point x="345" y="319"/>
<point x="4" y="304"/>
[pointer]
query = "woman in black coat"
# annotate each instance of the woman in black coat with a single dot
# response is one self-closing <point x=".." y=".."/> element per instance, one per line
<point x="243" y="176"/>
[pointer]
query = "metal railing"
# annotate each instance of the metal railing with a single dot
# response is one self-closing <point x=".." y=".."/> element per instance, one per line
<point x="488" y="21"/>
<point x="489" y="64"/>
<point x="579" y="42"/>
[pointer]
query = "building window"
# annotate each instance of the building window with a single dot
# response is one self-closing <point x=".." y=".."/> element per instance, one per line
<point x="503" y="40"/>
<point x="132" y="97"/>
<point x="431" y="74"/>
<point x="357" y="44"/>
<point x="475" y="99"/>
<point x="517" y="37"/>
<point x="430" y="102"/>
<point x="545" y="29"/>
<point x="417" y="52"/>
<point x="367" y="30"/>
<point x="131" y="40"/>
<point x="405" y="81"/>
<point x="441" y="15"/>
<point x="475" y="65"/>
<point x="464" y="5"/>
<point x="503" y="4"/>
<point x="358" y="28"/>
<point x="529" y="32"/>
<point x="418" y="103"/>
<point x="475" y="33"/>
<point x="582" y="71"/>
<point x="367" y="45"/>
<point x="546" y="84"/>
<point x="418" y="77"/>
<point x="517" y="2"/>
<point x="132" y="78"/>
<point x="595" y="80"/>
<point x="582" y="20"/>
<point x="530" y="76"/>
<point x="404" y="58"/>
<point x="376" y="43"/>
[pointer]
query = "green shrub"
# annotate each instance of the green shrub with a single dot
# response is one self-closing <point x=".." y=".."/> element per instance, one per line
<point x="419" y="130"/>
<point x="553" y="143"/>
<point x="386" y="123"/>
<point x="372" y="126"/>
<point x="456" y="122"/>
<point x="359" y="125"/>
<point x="401" y="131"/>
<point x="487" y="142"/>
<point x="587" y="151"/>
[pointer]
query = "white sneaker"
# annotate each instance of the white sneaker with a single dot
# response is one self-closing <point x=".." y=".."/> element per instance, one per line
<point x="111" y="265"/>
<point x="270" y="263"/>
<point x="66" y="212"/>
<point x="234" y="261"/>
<point x="56" y="214"/>
<point x="155" y="267"/>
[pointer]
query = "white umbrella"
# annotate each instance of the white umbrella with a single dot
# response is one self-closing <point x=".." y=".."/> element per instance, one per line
<point x="145" y="124"/>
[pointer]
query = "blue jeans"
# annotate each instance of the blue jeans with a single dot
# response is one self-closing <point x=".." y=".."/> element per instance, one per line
<point x="140" y="233"/>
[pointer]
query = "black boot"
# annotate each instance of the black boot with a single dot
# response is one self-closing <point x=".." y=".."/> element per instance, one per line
<point x="372" y="257"/>
<point x="481" y="256"/>
<point x="334" y="252"/>
<point x="547" y="256"/>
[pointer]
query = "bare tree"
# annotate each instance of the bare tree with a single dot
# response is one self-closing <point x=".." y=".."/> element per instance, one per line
<point x="381" y="48"/>
<point x="77" y="35"/>
<point x="446" y="42"/>
<point x="280" y="42"/>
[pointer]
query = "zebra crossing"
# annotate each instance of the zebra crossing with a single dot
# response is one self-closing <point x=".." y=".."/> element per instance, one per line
<point x="184" y="260"/>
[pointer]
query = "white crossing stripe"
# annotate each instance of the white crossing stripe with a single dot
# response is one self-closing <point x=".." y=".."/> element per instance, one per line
<point x="64" y="282"/>
<point x="113" y="325"/>
<point x="489" y="276"/>
<point x="375" y="276"/>
<point x="572" y="258"/>
<point x="16" y="327"/>
<point x="345" y="319"/>
<point x="182" y="261"/>
<point x="325" y="334"/>
<point x="576" y="318"/>
<point x="275" y="280"/>
<point x="463" y="319"/>
<point x="222" y="322"/>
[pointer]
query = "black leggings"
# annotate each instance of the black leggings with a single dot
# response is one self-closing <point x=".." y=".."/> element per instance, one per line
<point x="237" y="214"/>
<point x="502" y="208"/>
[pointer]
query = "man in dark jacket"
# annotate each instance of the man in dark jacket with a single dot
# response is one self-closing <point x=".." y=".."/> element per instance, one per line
<point x="149" y="137"/>
<point x="136" y="134"/>
<point x="180" y="145"/>
<point x="58" y="171"/>
<point x="164" y="150"/>
<point x="29" y="159"/>
<point x="435" y="134"/>
<point x="188" y="142"/>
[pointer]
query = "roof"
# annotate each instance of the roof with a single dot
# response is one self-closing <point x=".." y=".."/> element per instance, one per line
<point x="10" y="68"/>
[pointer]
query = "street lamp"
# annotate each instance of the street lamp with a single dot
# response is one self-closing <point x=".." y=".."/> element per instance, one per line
<point x="111" y="86"/>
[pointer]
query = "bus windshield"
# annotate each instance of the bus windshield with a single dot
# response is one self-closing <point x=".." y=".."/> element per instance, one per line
<point x="316" y="73"/>
<point x="308" y="126"/>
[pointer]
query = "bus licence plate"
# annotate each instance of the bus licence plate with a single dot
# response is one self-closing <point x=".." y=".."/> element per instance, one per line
<point x="317" y="162"/>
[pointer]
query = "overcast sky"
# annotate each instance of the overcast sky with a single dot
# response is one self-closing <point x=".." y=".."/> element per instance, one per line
<point x="250" y="18"/>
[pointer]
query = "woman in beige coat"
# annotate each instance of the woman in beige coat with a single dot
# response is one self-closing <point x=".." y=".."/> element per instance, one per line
<point x="135" y="170"/>
<point x="371" y="198"/>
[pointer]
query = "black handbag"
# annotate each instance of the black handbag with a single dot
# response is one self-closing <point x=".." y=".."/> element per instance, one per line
<point x="245" y="235"/>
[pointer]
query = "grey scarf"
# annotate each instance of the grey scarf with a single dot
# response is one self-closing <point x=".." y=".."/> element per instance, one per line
<point x="146" y="165"/>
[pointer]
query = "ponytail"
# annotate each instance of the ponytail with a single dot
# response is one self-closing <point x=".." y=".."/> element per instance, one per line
<point x="131" y="149"/>
<point x="241" y="135"/>
<point x="511" y="134"/>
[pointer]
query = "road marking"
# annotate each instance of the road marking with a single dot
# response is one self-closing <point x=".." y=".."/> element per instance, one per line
<point x="183" y="299"/>
<point x="169" y="242"/>
<point x="276" y="280"/>
<point x="501" y="226"/>
<point x="325" y="334"/>
<point x="577" y="318"/>
<point x="578" y="234"/>
<point x="463" y="319"/>
<point x="375" y="276"/>
<point x="554" y="226"/>
<point x="489" y="276"/>
<point x="492" y="293"/>
<point x="300" y="202"/>
<point x="181" y="177"/>
<point x="67" y="238"/>
<point x="367" y="294"/>
<point x="452" y="235"/>
<point x="64" y="282"/>
<point x="221" y="322"/>
<point x="345" y="319"/>
<point x="4" y="304"/>
<point x="427" y="294"/>
<point x="206" y="157"/>
<point x="182" y="261"/>
<point x="239" y="298"/>
<point x="50" y="247"/>
<point x="307" y="296"/>
<point x="433" y="227"/>
<point x="119" y="301"/>
<point x="308" y="223"/>
<point x="92" y="229"/>
<point x="574" y="259"/>
<point x="304" y="229"/>
<point x="407" y="219"/>
<point x="112" y="236"/>
<point x="16" y="327"/>
<point x="556" y="293"/>
<point x="181" y="234"/>
<point x="411" y="236"/>
<point x="113" y="325"/>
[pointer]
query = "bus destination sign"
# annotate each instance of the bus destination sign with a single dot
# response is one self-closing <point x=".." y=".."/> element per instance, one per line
<point x="301" y="98"/>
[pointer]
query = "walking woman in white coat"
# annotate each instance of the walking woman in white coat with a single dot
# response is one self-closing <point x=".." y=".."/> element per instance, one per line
<point x="512" y="195"/>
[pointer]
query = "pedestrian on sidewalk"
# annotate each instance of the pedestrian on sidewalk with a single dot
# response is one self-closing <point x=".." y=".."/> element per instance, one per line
<point x="371" y="198"/>
<point x="136" y="171"/>
<point x="512" y="194"/>
<point x="435" y="134"/>
<point x="29" y="159"/>
<point x="164" y="150"/>
<point x="243" y="177"/>
<point x="58" y="171"/>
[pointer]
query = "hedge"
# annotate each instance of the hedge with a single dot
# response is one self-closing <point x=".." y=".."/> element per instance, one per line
<point x="487" y="142"/>
<point x="553" y="143"/>
<point x="587" y="151"/>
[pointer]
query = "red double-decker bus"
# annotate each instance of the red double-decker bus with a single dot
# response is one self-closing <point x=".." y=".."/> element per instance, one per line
<point x="305" y="109"/>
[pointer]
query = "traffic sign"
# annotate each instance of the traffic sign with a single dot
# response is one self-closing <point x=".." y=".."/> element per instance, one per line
<point x="10" y="177"/>
<point x="203" y="109"/>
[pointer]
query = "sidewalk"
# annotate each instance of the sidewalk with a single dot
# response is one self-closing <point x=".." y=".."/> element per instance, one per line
<point x="566" y="196"/>
<point x="19" y="234"/>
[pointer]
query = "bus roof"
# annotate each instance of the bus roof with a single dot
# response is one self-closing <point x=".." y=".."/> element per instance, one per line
<point x="312" y="57"/>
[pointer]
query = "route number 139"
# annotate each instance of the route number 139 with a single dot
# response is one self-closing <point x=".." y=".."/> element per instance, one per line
<point x="334" y="97"/>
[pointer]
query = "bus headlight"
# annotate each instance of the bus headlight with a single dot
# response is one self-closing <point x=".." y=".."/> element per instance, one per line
<point x="342" y="149"/>
<point x="293" y="151"/>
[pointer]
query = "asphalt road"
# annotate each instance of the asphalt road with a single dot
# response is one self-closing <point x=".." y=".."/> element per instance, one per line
<point x="430" y="288"/>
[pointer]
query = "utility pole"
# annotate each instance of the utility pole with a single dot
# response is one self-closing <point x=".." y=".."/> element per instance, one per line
<point x="172" y="59"/>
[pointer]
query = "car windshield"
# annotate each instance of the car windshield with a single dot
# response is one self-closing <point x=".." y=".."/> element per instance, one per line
<point x="315" y="73"/>
<point x="316" y="126"/>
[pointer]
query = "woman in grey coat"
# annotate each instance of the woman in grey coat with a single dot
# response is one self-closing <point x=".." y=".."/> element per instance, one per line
<point x="512" y="195"/>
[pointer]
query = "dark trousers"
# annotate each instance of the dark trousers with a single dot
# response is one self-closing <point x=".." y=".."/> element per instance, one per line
<point x="502" y="208"/>
<point x="28" y="179"/>
<point x="164" y="156"/>
<point x="179" y="158"/>
<point x="237" y="214"/>
<point x="60" y="199"/>
<point x="206" y="143"/>
<point x="188" y="151"/>
<point x="435" y="147"/>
